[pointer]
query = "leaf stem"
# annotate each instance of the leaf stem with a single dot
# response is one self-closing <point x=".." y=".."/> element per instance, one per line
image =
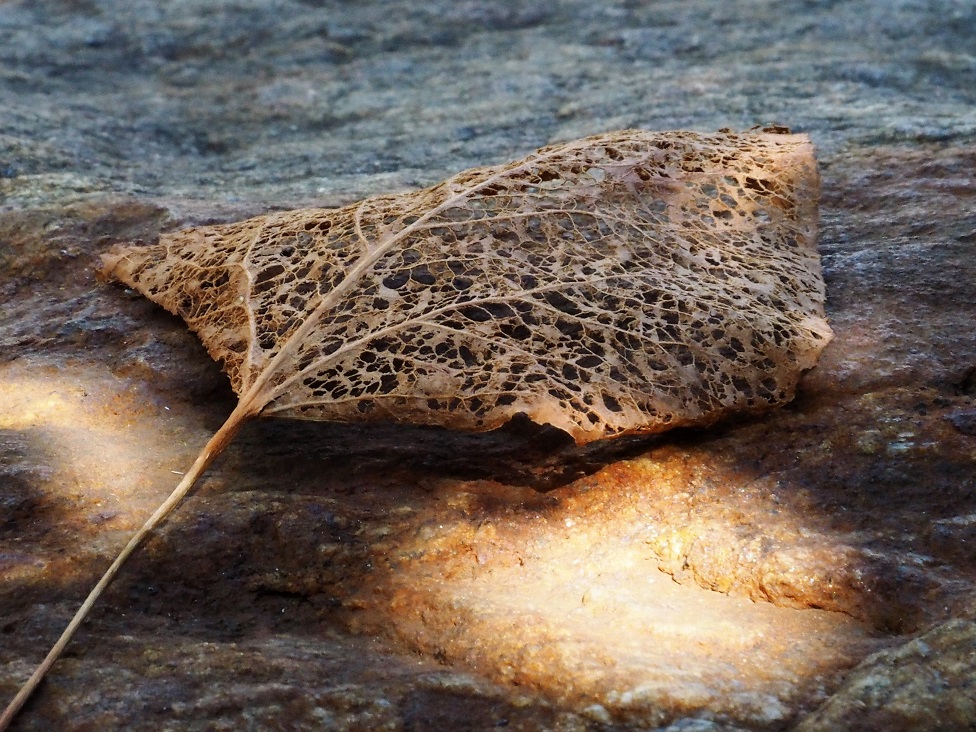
<point x="211" y="450"/>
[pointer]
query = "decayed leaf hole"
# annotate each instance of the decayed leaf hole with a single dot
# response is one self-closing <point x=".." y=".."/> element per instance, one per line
<point x="629" y="282"/>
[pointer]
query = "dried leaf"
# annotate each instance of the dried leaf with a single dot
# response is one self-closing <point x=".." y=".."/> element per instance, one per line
<point x="627" y="282"/>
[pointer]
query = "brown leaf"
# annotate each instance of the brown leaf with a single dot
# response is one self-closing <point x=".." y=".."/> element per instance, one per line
<point x="628" y="282"/>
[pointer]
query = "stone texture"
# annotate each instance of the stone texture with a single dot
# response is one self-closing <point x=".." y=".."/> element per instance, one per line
<point x="925" y="684"/>
<point x="407" y="578"/>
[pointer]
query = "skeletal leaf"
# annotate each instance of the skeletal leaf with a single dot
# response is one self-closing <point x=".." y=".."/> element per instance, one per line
<point x="628" y="282"/>
<point x="624" y="283"/>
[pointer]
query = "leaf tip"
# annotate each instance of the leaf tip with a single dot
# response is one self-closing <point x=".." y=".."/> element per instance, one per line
<point x="109" y="263"/>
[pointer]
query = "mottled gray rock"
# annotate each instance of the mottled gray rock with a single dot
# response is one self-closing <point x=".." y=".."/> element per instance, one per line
<point x="926" y="684"/>
<point x="964" y="420"/>
<point x="285" y="100"/>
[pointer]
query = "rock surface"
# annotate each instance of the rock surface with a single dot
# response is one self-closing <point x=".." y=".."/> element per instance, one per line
<point x="816" y="567"/>
<point x="925" y="684"/>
